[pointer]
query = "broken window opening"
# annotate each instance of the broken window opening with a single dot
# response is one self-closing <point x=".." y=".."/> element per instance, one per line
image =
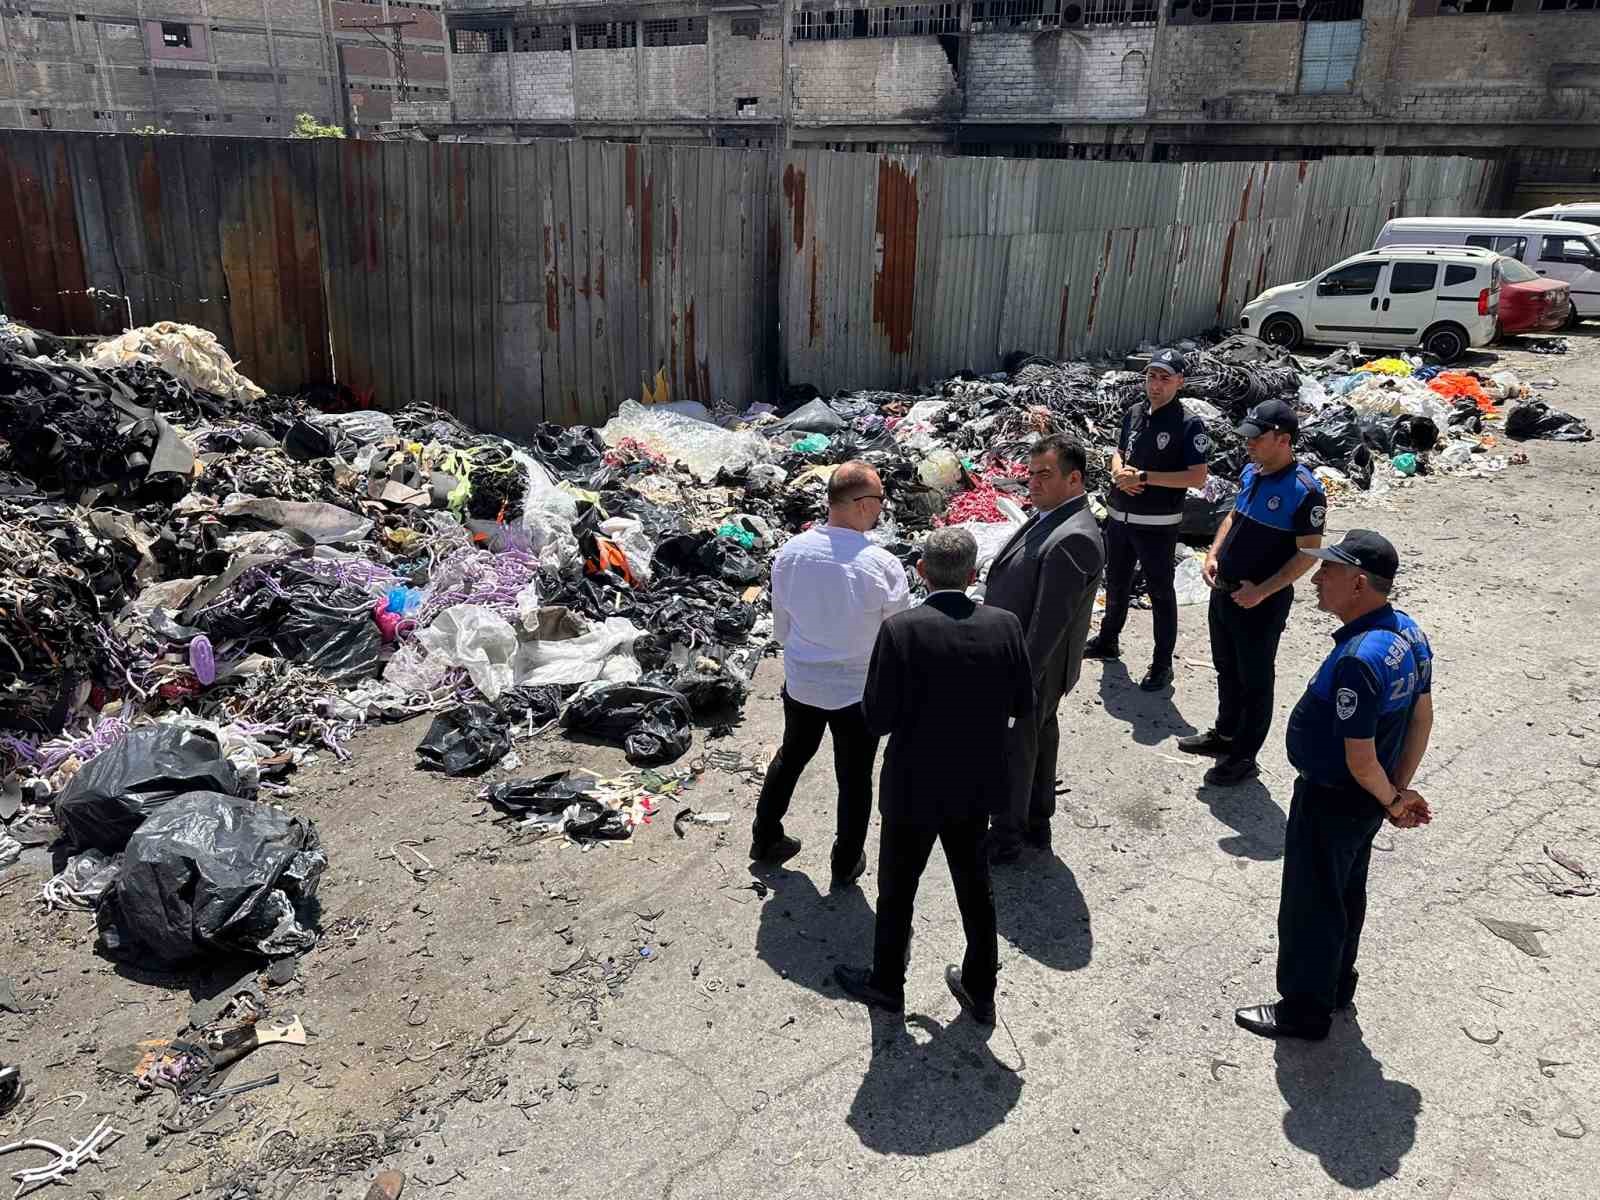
<point x="176" y="36"/>
<point x="676" y="31"/>
<point x="540" y="39"/>
<point x="747" y="27"/>
<point x="1191" y="12"/>
<point x="746" y="104"/>
<point x="608" y="35"/>
<point x="477" y="41"/>
<point x="899" y="20"/>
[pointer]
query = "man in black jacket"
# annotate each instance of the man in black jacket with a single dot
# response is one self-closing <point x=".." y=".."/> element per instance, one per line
<point x="947" y="681"/>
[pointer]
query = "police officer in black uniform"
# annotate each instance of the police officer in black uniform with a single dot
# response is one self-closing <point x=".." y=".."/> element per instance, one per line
<point x="1356" y="738"/>
<point x="1251" y="568"/>
<point x="1160" y="454"/>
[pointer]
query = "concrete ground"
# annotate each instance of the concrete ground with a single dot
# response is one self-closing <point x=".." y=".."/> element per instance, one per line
<point x="636" y="1019"/>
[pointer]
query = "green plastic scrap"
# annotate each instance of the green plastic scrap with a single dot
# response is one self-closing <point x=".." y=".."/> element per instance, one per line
<point x="736" y="533"/>
<point x="812" y="443"/>
<point x="1406" y="464"/>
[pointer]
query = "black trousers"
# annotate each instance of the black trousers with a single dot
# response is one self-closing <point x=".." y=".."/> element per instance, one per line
<point x="1323" y="905"/>
<point x="1244" y="649"/>
<point x="854" y="749"/>
<point x="903" y="851"/>
<point x="1150" y="547"/>
<point x="1031" y="771"/>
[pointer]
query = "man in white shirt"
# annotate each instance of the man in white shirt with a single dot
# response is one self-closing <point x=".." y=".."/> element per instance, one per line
<point x="831" y="590"/>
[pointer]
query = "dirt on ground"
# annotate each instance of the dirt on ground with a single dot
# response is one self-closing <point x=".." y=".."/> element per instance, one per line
<point x="497" y="1016"/>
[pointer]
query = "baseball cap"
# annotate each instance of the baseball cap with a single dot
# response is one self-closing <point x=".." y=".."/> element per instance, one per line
<point x="1362" y="548"/>
<point x="1166" y="360"/>
<point x="1269" y="415"/>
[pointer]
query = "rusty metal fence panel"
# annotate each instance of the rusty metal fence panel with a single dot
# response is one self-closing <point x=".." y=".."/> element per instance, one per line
<point x="507" y="284"/>
<point x="896" y="270"/>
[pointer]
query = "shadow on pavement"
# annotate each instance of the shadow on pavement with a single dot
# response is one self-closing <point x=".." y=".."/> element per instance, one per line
<point x="803" y="931"/>
<point x="1040" y="910"/>
<point x="930" y="1097"/>
<point x="1152" y="717"/>
<point x="1250" y="809"/>
<point x="1342" y="1109"/>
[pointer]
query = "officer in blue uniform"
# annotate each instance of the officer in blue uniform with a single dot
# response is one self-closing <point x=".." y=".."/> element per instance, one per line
<point x="1160" y="454"/>
<point x="1356" y="738"/>
<point x="1252" y="566"/>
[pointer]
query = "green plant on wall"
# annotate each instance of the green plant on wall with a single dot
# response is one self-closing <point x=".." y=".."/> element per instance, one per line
<point x="151" y="130"/>
<point x="307" y="126"/>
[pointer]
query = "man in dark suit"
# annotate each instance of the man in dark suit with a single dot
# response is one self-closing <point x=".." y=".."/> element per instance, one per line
<point x="947" y="679"/>
<point x="1046" y="575"/>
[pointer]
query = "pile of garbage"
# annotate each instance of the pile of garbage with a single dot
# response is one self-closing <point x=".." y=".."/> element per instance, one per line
<point x="187" y="560"/>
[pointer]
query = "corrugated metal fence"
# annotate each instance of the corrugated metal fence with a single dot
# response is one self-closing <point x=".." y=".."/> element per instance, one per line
<point x="897" y="270"/>
<point x="508" y="284"/>
<point x="515" y="284"/>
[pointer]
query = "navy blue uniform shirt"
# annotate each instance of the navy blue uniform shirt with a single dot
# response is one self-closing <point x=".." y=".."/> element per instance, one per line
<point x="1269" y="513"/>
<point x="1169" y="439"/>
<point x="1366" y="688"/>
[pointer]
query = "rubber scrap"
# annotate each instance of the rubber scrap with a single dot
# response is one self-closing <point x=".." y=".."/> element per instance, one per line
<point x="387" y="1186"/>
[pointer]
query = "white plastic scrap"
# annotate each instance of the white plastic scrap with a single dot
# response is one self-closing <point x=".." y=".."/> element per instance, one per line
<point x="700" y="446"/>
<point x="10" y="850"/>
<point x="86" y="878"/>
<point x="478" y="639"/>
<point x="582" y="659"/>
<point x="185" y="352"/>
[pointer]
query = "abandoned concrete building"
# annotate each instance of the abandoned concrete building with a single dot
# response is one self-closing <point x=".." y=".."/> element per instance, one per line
<point x="1157" y="79"/>
<point x="234" y="67"/>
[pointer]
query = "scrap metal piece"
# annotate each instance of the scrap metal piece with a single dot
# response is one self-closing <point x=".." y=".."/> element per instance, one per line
<point x="1523" y="937"/>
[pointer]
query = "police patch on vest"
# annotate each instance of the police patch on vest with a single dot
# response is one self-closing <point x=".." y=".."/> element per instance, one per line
<point x="1344" y="703"/>
<point x="1162" y="439"/>
<point x="1319" y="514"/>
<point x="1201" y="443"/>
<point x="1273" y="503"/>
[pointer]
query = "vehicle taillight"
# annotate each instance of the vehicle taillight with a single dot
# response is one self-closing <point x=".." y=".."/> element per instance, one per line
<point x="1483" y="303"/>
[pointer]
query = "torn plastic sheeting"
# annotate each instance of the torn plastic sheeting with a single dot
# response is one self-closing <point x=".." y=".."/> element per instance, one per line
<point x="106" y="801"/>
<point x="308" y="521"/>
<point x="704" y="553"/>
<point x="185" y="352"/>
<point x="813" y="417"/>
<point x="212" y="875"/>
<point x="318" y="630"/>
<point x="478" y="640"/>
<point x="465" y="740"/>
<point x="1539" y="420"/>
<point x="576" y="660"/>
<point x="651" y="723"/>
<point x="84" y="880"/>
<point x="700" y="446"/>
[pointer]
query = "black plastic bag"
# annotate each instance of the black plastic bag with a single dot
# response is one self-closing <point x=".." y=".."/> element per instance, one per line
<point x="1538" y="420"/>
<point x="464" y="741"/>
<point x="709" y="693"/>
<point x="814" y="417"/>
<point x="578" y="813"/>
<point x="306" y="441"/>
<point x="331" y="634"/>
<point x="706" y="554"/>
<point x="651" y="723"/>
<point x="212" y="874"/>
<point x="105" y="802"/>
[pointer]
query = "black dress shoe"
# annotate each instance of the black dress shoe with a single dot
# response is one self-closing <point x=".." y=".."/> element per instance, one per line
<point x="1155" y="679"/>
<point x="1098" y="647"/>
<point x="1265" y="1020"/>
<point x="1003" y="853"/>
<point x="856" y="872"/>
<point x="1231" y="772"/>
<point x="778" y="851"/>
<point x="857" y="984"/>
<point x="1210" y="742"/>
<point x="983" y="1014"/>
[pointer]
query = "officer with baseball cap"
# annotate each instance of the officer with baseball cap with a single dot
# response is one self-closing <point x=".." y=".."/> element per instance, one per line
<point x="1160" y="454"/>
<point x="1252" y="566"/>
<point x="1356" y="739"/>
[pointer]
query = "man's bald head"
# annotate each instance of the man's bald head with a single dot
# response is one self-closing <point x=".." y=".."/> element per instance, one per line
<point x="855" y="496"/>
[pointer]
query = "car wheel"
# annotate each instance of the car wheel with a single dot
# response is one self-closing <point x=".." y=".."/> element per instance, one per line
<point x="1445" y="342"/>
<point x="1281" y="330"/>
<point x="1572" y="317"/>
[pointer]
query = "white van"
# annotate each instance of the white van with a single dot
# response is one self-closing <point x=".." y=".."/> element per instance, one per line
<point x="1564" y="250"/>
<point x="1583" y="213"/>
<point x="1442" y="298"/>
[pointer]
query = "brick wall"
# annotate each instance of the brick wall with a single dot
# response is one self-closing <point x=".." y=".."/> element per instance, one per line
<point x="39" y="36"/>
<point x="748" y="67"/>
<point x="1500" y="67"/>
<point x="542" y="83"/>
<point x="872" y="78"/>
<point x="480" y="84"/>
<point x="240" y="47"/>
<point x="1089" y="74"/>
<point x="674" y="81"/>
<point x="296" y="14"/>
<point x="608" y="84"/>
<point x="120" y="43"/>
<point x="300" y="51"/>
<point x="249" y="11"/>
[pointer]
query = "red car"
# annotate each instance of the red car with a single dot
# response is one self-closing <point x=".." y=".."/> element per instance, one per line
<point x="1529" y="302"/>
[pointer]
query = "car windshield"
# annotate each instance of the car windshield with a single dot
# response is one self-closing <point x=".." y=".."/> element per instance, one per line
<point x="1513" y="271"/>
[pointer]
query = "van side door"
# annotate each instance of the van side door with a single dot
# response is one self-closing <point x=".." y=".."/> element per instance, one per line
<point x="1346" y="301"/>
<point x="1572" y="259"/>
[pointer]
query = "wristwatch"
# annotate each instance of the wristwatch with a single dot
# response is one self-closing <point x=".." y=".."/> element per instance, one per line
<point x="1144" y="476"/>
